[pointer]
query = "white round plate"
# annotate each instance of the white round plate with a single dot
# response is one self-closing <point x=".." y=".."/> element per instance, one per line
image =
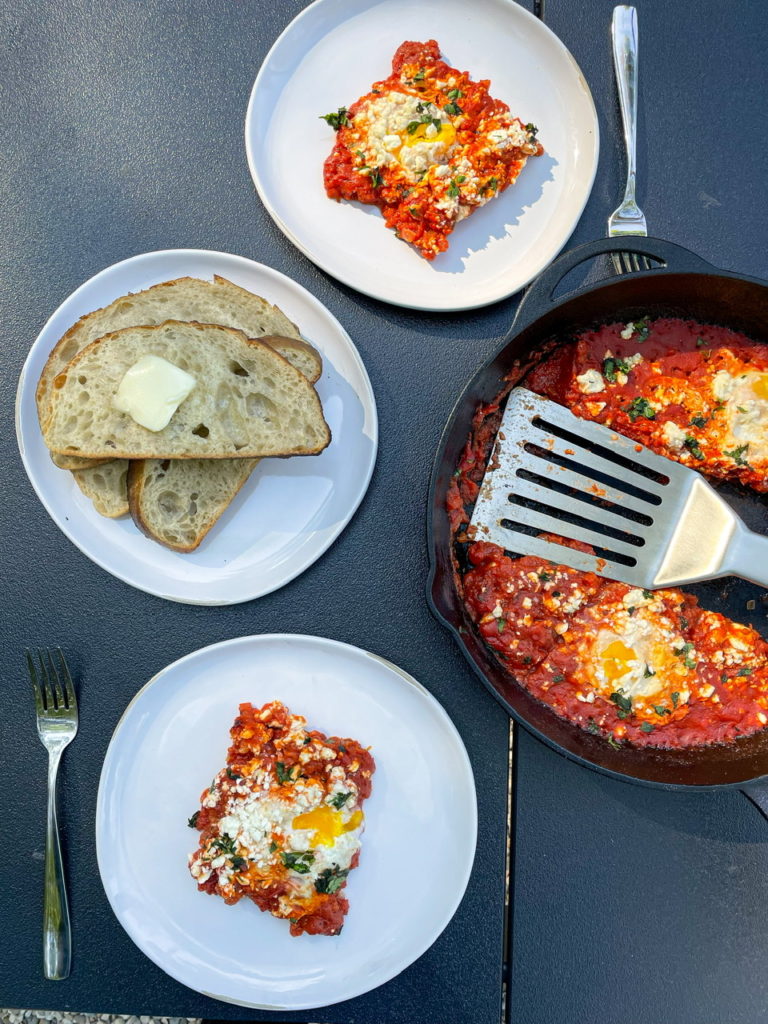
<point x="501" y="247"/>
<point x="289" y="511"/>
<point x="418" y="844"/>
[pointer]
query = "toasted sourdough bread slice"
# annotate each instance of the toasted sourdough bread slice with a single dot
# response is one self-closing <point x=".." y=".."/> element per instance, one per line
<point x="177" y="502"/>
<point x="248" y="402"/>
<point x="187" y="298"/>
<point x="108" y="490"/>
<point x="106" y="485"/>
<point x="195" y="492"/>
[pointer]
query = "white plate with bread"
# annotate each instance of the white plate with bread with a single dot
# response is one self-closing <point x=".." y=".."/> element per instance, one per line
<point x="266" y="437"/>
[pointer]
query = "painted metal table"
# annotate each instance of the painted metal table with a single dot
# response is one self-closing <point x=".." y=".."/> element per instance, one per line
<point x="122" y="133"/>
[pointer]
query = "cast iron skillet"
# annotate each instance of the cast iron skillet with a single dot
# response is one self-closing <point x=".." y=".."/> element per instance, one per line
<point x="685" y="286"/>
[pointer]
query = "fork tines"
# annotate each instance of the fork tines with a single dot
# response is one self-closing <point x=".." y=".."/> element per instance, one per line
<point x="50" y="694"/>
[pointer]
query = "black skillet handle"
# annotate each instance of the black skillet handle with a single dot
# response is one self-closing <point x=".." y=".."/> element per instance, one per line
<point x="538" y="298"/>
<point x="757" y="792"/>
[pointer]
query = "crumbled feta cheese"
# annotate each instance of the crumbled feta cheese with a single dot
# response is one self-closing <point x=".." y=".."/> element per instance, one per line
<point x="673" y="435"/>
<point x="590" y="382"/>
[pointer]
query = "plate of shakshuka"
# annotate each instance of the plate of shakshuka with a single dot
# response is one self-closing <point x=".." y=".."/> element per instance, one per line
<point x="442" y="165"/>
<point x="256" y="870"/>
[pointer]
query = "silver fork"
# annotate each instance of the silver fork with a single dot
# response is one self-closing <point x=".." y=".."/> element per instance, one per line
<point x="627" y="218"/>
<point x="56" y="707"/>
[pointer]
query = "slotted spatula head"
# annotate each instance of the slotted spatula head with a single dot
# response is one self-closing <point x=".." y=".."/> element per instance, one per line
<point x="651" y="522"/>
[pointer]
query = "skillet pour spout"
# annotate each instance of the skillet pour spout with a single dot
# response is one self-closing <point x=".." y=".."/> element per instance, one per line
<point x="685" y="286"/>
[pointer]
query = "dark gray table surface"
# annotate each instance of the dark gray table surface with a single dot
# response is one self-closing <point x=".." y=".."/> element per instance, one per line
<point x="121" y="133"/>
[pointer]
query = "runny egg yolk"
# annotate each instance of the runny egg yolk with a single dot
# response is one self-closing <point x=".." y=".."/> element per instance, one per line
<point x="616" y="658"/>
<point x="760" y="385"/>
<point x="327" y="824"/>
<point x="446" y="134"/>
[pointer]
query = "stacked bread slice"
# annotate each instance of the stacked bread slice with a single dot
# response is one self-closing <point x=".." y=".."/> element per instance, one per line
<point x="253" y="397"/>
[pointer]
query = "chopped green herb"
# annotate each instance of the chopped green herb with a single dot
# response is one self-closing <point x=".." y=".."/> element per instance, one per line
<point x="641" y="407"/>
<point x="746" y="671"/>
<point x="623" y="703"/>
<point x="454" y="94"/>
<point x="559" y="678"/>
<point x="737" y="454"/>
<point x="374" y="175"/>
<point x="698" y="421"/>
<point x="501" y="624"/>
<point x="592" y="726"/>
<point x="412" y="126"/>
<point x="453" y="108"/>
<point x="531" y="129"/>
<point x="238" y="863"/>
<point x="339" y="800"/>
<point x="331" y="880"/>
<point x="225" y="844"/>
<point x="675" y="699"/>
<point x="272" y="847"/>
<point x="414" y="212"/>
<point x="661" y="710"/>
<point x="612" y="366"/>
<point x="545" y="577"/>
<point x="684" y="652"/>
<point x="646" y="727"/>
<point x="283" y="774"/>
<point x="693" y="447"/>
<point x="740" y="408"/>
<point x="700" y="342"/>
<point x="233" y="775"/>
<point x="342" y="749"/>
<point x="192" y="822"/>
<point x="337" y="120"/>
<point x="648" y="672"/>
<point x="648" y="594"/>
<point x="419" y="76"/>
<point x="453" y="189"/>
<point x="684" y="623"/>
<point x="613" y="742"/>
<point x="298" y="862"/>
<point x="643" y="328"/>
<point x="527" y="659"/>
<point x="631" y="610"/>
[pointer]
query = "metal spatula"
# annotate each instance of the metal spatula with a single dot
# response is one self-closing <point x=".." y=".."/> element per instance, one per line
<point x="651" y="522"/>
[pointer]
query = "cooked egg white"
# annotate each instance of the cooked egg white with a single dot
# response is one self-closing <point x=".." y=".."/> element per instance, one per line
<point x="386" y="120"/>
<point x="265" y="823"/>
<point x="637" y="653"/>
<point x="746" y="408"/>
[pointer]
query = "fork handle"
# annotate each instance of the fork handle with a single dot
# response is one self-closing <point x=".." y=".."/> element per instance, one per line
<point x="57" y="935"/>
<point x="624" y="40"/>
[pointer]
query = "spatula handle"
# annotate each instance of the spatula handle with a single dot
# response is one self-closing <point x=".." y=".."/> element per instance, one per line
<point x="747" y="556"/>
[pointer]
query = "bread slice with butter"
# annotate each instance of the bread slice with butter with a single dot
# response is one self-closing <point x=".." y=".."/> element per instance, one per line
<point x="248" y="400"/>
<point x="106" y="484"/>
<point x="185" y="298"/>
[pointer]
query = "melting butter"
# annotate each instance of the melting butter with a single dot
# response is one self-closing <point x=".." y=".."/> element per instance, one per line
<point x="152" y="390"/>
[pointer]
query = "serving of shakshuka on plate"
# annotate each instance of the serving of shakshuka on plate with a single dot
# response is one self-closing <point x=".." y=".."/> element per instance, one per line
<point x="428" y="146"/>
<point x="281" y="823"/>
<point x="639" y="667"/>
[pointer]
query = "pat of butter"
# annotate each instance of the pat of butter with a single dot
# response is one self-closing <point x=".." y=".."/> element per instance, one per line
<point x="152" y="390"/>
